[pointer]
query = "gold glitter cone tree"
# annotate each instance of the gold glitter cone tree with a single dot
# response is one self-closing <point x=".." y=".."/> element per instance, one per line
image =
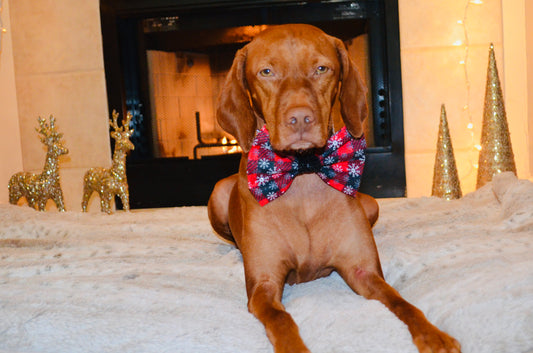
<point x="445" y="178"/>
<point x="496" y="153"/>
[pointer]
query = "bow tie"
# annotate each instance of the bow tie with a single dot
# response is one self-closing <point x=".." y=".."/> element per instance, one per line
<point x="340" y="166"/>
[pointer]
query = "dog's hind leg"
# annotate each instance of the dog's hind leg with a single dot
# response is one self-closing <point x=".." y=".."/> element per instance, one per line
<point x="371" y="207"/>
<point x="218" y="207"/>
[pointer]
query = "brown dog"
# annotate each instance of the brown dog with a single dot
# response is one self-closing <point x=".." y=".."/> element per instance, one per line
<point x="288" y="78"/>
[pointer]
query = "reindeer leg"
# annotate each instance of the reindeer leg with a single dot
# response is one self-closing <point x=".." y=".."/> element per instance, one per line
<point x="124" y="197"/>
<point x="14" y="194"/>
<point x="105" y="202"/>
<point x="58" y="199"/>
<point x="13" y="199"/>
<point x="41" y="205"/>
<point x="31" y="202"/>
<point x="60" y="204"/>
<point x="85" y="199"/>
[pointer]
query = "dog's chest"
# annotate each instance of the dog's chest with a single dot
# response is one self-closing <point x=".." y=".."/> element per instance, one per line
<point x="310" y="226"/>
<point x="309" y="197"/>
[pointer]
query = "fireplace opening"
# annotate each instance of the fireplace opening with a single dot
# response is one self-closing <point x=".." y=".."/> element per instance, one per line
<point x="186" y="74"/>
<point x="166" y="63"/>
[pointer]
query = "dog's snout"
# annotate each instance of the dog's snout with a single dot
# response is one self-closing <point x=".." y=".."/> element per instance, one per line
<point x="300" y="118"/>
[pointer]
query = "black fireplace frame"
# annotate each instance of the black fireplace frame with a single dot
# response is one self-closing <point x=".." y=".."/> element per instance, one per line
<point x="167" y="182"/>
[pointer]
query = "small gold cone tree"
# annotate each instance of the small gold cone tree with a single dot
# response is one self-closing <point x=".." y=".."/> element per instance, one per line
<point x="445" y="178"/>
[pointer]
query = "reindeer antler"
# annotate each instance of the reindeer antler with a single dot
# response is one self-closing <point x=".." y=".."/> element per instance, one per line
<point x="43" y="127"/>
<point x="114" y="123"/>
<point x="126" y="122"/>
<point x="48" y="130"/>
<point x="52" y="123"/>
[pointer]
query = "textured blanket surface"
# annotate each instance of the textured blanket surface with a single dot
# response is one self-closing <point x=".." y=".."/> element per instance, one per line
<point x="161" y="281"/>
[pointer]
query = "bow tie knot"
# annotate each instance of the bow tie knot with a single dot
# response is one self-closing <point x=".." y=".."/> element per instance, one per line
<point x="308" y="164"/>
<point x="340" y="165"/>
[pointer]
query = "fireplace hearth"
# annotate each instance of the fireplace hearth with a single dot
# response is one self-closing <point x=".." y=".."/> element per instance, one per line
<point x="165" y="61"/>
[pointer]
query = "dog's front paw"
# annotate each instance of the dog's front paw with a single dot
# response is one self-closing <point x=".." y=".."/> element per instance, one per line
<point x="433" y="340"/>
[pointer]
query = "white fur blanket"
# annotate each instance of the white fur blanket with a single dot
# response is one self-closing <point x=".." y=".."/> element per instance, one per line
<point x="160" y="281"/>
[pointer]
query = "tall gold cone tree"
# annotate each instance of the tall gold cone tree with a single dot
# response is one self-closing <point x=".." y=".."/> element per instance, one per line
<point x="445" y="178"/>
<point x="496" y="153"/>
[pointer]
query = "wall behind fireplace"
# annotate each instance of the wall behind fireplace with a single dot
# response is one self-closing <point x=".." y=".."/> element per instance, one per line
<point x="432" y="74"/>
<point x="59" y="70"/>
<point x="55" y="65"/>
<point x="10" y="148"/>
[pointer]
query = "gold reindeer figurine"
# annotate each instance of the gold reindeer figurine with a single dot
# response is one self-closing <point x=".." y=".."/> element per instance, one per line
<point x="39" y="188"/>
<point x="108" y="182"/>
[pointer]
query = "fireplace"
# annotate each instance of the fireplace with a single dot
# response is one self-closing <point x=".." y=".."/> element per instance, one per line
<point x="165" y="62"/>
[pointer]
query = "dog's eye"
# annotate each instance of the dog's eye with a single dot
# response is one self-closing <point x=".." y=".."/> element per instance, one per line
<point x="321" y="70"/>
<point x="266" y="72"/>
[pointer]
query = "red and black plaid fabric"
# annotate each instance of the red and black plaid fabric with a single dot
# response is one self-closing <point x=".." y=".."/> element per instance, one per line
<point x="340" y="166"/>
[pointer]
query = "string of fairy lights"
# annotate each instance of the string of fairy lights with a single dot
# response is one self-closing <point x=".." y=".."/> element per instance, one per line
<point x="464" y="62"/>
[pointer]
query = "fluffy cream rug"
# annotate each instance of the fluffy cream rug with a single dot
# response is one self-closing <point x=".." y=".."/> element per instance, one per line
<point x="160" y="281"/>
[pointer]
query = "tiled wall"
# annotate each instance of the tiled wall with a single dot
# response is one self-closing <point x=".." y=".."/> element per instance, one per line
<point x="182" y="84"/>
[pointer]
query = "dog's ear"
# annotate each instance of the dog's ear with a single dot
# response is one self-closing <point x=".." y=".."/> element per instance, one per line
<point x="354" y="109"/>
<point x="234" y="112"/>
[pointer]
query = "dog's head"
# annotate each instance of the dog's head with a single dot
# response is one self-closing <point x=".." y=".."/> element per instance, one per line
<point x="289" y="78"/>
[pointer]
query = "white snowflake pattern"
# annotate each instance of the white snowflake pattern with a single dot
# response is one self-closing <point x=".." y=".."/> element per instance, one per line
<point x="272" y="195"/>
<point x="348" y="190"/>
<point x="294" y="164"/>
<point x="263" y="163"/>
<point x="338" y="168"/>
<point x="360" y="154"/>
<point x="354" y="169"/>
<point x="329" y="160"/>
<point x="335" y="142"/>
<point x="267" y="146"/>
<point x="274" y="170"/>
<point x="262" y="180"/>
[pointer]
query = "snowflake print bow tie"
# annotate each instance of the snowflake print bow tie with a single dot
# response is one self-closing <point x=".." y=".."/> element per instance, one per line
<point x="340" y="166"/>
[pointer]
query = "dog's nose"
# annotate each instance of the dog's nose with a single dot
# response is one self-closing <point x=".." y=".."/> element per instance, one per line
<point x="300" y="118"/>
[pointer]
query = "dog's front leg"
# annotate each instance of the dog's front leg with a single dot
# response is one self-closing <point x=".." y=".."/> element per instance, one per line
<point x="427" y="337"/>
<point x="265" y="303"/>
